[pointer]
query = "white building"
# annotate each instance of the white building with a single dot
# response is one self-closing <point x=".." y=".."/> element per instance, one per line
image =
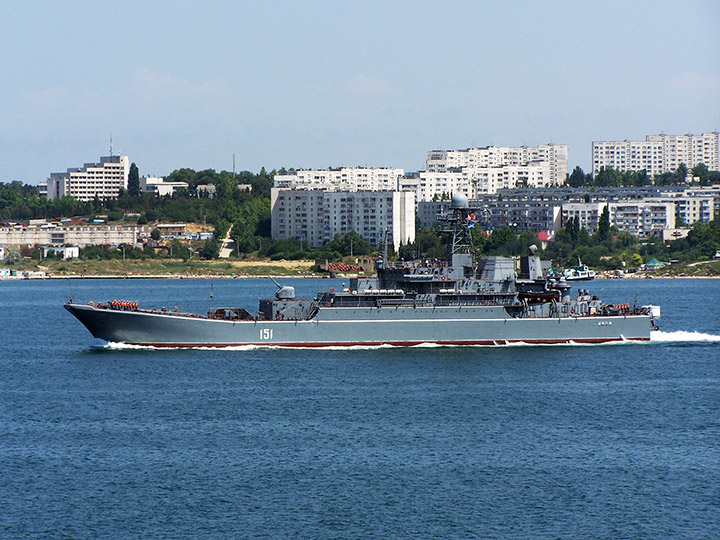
<point x="690" y="209"/>
<point x="67" y="252"/>
<point x="658" y="154"/>
<point x="102" y="180"/>
<point x="158" y="185"/>
<point x="317" y="215"/>
<point x="489" y="180"/>
<point x="430" y="186"/>
<point x="554" y="155"/>
<point x="642" y="218"/>
<point x="80" y="234"/>
<point x="587" y="214"/>
<point x="475" y="181"/>
<point x="343" y="179"/>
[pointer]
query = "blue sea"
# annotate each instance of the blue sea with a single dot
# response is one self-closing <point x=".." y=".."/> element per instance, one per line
<point x="594" y="441"/>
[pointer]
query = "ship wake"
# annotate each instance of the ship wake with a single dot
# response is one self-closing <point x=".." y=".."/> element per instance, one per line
<point x="683" y="336"/>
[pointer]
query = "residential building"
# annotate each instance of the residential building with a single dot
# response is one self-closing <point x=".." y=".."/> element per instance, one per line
<point x="75" y="234"/>
<point x="658" y="154"/>
<point x="102" y="180"/>
<point x="587" y="214"/>
<point x="691" y="209"/>
<point x="342" y="179"/>
<point x="206" y="191"/>
<point x="317" y="215"/>
<point x="492" y="179"/>
<point x="494" y="213"/>
<point x="431" y="186"/>
<point x="172" y="230"/>
<point x="550" y="209"/>
<point x="489" y="157"/>
<point x="67" y="252"/>
<point x="642" y="218"/>
<point x="158" y="185"/>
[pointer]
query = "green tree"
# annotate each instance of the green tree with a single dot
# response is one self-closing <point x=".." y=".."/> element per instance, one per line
<point x="577" y="178"/>
<point x="700" y="171"/>
<point x="681" y="173"/>
<point x="134" y="182"/>
<point x="155" y="234"/>
<point x="210" y="250"/>
<point x="349" y="243"/>
<point x="603" y="231"/>
<point x="608" y="177"/>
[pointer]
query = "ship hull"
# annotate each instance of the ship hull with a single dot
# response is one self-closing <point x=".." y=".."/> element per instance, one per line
<point x="400" y="326"/>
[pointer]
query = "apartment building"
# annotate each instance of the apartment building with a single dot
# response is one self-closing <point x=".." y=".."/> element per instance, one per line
<point x="494" y="213"/>
<point x="642" y="218"/>
<point x="491" y="180"/>
<point x="550" y="209"/>
<point x="102" y="180"/>
<point x="658" y="154"/>
<point x="430" y="186"/>
<point x="317" y="215"/>
<point x="474" y="182"/>
<point x="158" y="186"/>
<point x="490" y="157"/>
<point x="344" y="179"/>
<point x="80" y="235"/>
<point x="587" y="214"/>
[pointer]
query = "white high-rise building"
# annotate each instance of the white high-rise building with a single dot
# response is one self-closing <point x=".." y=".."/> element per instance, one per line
<point x="345" y="178"/>
<point x="642" y="218"/>
<point x="317" y="215"/>
<point x="430" y="185"/>
<point x="658" y="154"/>
<point x="475" y="181"/>
<point x="102" y="180"/>
<point x="587" y="214"/>
<point x="554" y="155"/>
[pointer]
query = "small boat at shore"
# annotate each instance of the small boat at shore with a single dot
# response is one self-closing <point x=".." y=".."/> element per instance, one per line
<point x="581" y="272"/>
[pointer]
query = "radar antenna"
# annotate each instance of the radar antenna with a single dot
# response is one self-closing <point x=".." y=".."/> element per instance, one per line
<point x="459" y="224"/>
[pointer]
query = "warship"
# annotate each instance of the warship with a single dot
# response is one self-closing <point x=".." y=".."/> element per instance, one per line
<point x="463" y="300"/>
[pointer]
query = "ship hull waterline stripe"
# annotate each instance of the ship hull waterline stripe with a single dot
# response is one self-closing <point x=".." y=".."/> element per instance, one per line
<point x="498" y="342"/>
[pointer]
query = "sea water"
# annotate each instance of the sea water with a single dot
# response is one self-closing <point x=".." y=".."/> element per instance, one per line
<point x="598" y="441"/>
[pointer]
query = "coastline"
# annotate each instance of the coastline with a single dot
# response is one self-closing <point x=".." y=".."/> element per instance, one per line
<point x="241" y="269"/>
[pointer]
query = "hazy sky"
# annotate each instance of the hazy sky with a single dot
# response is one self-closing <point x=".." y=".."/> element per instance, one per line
<point x="317" y="84"/>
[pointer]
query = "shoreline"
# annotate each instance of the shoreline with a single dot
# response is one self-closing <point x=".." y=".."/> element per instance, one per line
<point x="38" y="275"/>
<point x="32" y="277"/>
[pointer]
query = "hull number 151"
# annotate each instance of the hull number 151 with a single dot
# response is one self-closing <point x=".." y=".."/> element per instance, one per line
<point x="266" y="333"/>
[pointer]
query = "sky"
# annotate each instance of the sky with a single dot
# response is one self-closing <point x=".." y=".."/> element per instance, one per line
<point x="320" y="84"/>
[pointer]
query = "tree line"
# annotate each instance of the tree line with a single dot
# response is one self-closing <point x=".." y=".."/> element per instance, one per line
<point x="244" y="215"/>
<point x="609" y="177"/>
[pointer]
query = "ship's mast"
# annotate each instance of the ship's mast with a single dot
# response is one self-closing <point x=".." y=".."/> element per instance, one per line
<point x="459" y="225"/>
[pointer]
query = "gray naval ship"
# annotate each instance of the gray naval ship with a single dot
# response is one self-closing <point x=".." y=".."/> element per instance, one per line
<point x="461" y="301"/>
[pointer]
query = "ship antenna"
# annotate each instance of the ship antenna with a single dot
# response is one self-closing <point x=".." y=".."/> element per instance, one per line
<point x="275" y="282"/>
<point x="71" y="291"/>
<point x="385" y="250"/>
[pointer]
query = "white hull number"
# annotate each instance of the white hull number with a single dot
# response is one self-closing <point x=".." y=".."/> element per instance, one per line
<point x="266" y="333"/>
